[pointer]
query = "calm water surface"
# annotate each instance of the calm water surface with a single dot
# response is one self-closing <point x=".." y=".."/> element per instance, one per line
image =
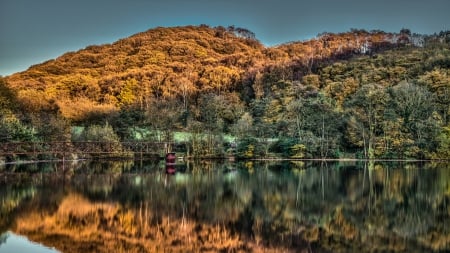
<point x="228" y="207"/>
<point x="10" y="243"/>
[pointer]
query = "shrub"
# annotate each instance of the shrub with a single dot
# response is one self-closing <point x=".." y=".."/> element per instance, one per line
<point x="249" y="147"/>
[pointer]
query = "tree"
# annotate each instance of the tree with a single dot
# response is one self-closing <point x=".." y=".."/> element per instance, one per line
<point x="367" y="106"/>
<point x="438" y="81"/>
<point x="131" y="123"/>
<point x="216" y="110"/>
<point x="12" y="128"/>
<point x="258" y="86"/>
<point x="413" y="107"/>
<point x="186" y="88"/>
<point x="103" y="137"/>
<point x="244" y="126"/>
<point x="219" y="78"/>
<point x="443" y="150"/>
<point x="127" y="94"/>
<point x="163" y="118"/>
<point x="249" y="147"/>
<point x="314" y="123"/>
<point x="8" y="99"/>
<point x="51" y="127"/>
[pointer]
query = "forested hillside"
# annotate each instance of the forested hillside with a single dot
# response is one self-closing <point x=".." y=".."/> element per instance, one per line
<point x="355" y="94"/>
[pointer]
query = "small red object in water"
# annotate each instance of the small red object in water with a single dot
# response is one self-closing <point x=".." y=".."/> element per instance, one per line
<point x="170" y="169"/>
<point x="170" y="157"/>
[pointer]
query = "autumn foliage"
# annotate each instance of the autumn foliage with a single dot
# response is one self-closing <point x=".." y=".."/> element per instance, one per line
<point x="305" y="93"/>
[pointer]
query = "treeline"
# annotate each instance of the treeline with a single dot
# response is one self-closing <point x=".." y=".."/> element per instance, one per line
<point x="355" y="94"/>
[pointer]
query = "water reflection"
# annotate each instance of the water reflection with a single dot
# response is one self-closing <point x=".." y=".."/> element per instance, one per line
<point x="10" y="242"/>
<point x="289" y="206"/>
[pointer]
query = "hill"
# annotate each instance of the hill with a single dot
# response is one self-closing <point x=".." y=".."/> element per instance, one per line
<point x="369" y="94"/>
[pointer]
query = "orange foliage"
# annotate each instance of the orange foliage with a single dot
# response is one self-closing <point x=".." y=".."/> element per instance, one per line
<point x="82" y="108"/>
<point x="159" y="61"/>
<point x="81" y="225"/>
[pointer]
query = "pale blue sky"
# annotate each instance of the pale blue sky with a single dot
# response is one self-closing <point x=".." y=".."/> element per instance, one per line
<point x="33" y="31"/>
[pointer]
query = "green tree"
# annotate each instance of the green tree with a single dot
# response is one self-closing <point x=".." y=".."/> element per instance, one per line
<point x="412" y="106"/>
<point x="12" y="129"/>
<point x="314" y="122"/>
<point x="438" y="81"/>
<point x="51" y="127"/>
<point x="366" y="108"/>
<point x="244" y="126"/>
<point x="443" y="150"/>
<point x="249" y="147"/>
<point x="103" y="138"/>
<point x="131" y="123"/>
<point x="163" y="117"/>
<point x="214" y="111"/>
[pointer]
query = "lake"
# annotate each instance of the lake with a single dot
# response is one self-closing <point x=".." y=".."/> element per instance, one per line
<point x="289" y="206"/>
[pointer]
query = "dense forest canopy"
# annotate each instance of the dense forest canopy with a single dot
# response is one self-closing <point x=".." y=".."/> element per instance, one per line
<point x="353" y="94"/>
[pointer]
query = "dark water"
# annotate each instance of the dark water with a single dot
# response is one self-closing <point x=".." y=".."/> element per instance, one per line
<point x="228" y="207"/>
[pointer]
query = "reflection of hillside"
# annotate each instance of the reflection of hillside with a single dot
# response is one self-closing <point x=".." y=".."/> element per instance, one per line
<point x="80" y="225"/>
<point x="324" y="208"/>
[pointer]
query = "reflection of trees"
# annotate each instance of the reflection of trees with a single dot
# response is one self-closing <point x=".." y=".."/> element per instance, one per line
<point x="374" y="207"/>
<point x="10" y="198"/>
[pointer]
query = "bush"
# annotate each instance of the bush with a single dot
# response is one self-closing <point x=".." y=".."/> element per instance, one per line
<point x="12" y="129"/>
<point x="283" y="147"/>
<point x="249" y="147"/>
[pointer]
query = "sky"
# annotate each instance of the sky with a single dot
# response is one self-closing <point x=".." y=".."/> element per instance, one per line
<point x="34" y="31"/>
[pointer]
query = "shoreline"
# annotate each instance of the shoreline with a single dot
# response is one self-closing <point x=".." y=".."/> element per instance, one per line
<point x="229" y="159"/>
